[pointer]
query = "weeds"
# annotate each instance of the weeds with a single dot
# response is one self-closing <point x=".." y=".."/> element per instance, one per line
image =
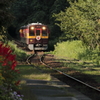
<point x="76" y="50"/>
<point x="20" y="54"/>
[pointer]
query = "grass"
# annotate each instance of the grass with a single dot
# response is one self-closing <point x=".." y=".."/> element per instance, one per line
<point x="29" y="72"/>
<point x="75" y="66"/>
<point x="76" y="50"/>
<point x="77" y="57"/>
<point x="20" y="54"/>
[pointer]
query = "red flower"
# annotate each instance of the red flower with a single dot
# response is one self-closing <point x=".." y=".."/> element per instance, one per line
<point x="1" y="49"/>
<point x="5" y="50"/>
<point x="4" y="63"/>
<point x="11" y="57"/>
<point x="17" y="83"/>
<point x="17" y="71"/>
<point x="13" y="65"/>
<point x="8" y="54"/>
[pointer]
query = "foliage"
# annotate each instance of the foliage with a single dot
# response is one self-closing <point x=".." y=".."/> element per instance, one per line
<point x="30" y="11"/>
<point x="20" y="54"/>
<point x="29" y="73"/>
<point x="76" y="50"/>
<point x="27" y="11"/>
<point x="91" y="55"/>
<point x="5" y="17"/>
<point x="3" y="34"/>
<point x="8" y="74"/>
<point x="69" y="49"/>
<point x="81" y="21"/>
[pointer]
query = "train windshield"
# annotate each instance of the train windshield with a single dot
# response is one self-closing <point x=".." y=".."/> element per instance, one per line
<point x="44" y="33"/>
<point x="37" y="32"/>
<point x="31" y="32"/>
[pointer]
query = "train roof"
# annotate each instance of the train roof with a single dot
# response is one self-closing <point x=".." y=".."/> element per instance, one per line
<point x="25" y="26"/>
<point x="35" y="23"/>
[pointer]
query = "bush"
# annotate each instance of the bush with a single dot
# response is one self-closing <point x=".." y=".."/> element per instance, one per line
<point x="20" y="54"/>
<point x="76" y="50"/>
<point x="69" y="49"/>
<point x="8" y="74"/>
<point x="91" y="55"/>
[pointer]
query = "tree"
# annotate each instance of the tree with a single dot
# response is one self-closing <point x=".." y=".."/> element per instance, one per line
<point x="5" y="16"/>
<point x="81" y="21"/>
<point x="29" y="11"/>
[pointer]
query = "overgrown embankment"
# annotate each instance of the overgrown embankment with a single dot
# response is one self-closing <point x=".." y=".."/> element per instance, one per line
<point x="76" y="50"/>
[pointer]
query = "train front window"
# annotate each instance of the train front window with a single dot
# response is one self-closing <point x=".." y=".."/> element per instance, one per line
<point x="37" y="32"/>
<point x="31" y="32"/>
<point x="44" y="32"/>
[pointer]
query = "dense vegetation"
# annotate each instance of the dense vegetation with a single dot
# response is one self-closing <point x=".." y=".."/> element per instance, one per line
<point x="76" y="33"/>
<point x="5" y="18"/>
<point x="75" y="19"/>
<point x="77" y="51"/>
<point x="81" y="21"/>
<point x="30" y="11"/>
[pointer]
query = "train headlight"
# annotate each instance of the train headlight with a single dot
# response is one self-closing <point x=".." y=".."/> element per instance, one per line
<point x="20" y="31"/>
<point x="43" y="27"/>
<point x="32" y="28"/>
<point x="31" y="40"/>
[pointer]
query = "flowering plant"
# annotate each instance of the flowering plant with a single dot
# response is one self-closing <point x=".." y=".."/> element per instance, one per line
<point x="8" y="74"/>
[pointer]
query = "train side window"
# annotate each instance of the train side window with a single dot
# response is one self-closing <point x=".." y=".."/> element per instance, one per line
<point x="44" y="33"/>
<point x="37" y="32"/>
<point x="31" y="32"/>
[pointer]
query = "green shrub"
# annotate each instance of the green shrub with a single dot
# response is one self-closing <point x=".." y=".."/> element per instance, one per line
<point x="8" y="74"/>
<point x="76" y="50"/>
<point x="91" y="55"/>
<point x="20" y="54"/>
<point x="69" y="49"/>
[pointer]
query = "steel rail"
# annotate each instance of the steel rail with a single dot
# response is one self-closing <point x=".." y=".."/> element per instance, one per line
<point x="27" y="60"/>
<point x="68" y="75"/>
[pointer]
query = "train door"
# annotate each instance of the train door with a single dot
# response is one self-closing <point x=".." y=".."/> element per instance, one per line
<point x="38" y="34"/>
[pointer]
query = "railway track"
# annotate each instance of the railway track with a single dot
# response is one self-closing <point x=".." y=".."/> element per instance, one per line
<point x="21" y="46"/>
<point x="18" y="43"/>
<point x="82" y="86"/>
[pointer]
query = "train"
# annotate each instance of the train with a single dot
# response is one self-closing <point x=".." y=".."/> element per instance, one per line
<point x="35" y="36"/>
